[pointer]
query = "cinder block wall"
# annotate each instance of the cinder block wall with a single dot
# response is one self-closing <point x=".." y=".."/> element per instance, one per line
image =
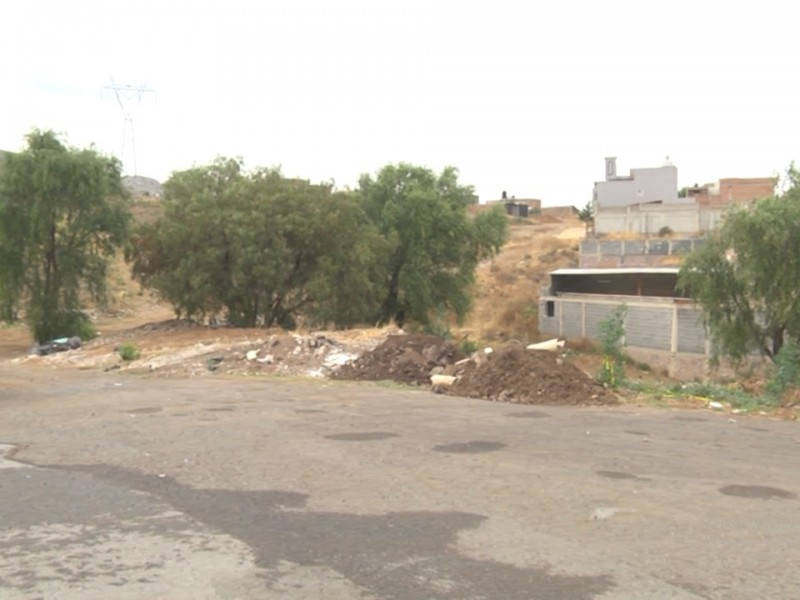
<point x="685" y="218"/>
<point x="636" y="253"/>
<point x="651" y="324"/>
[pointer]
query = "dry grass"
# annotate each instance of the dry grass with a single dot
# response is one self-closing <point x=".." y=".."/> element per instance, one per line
<point x="507" y="299"/>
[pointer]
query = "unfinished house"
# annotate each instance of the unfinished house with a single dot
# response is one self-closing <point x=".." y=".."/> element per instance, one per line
<point x="660" y="323"/>
<point x="638" y="267"/>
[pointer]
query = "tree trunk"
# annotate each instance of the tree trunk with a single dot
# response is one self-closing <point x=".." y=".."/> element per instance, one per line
<point x="776" y="341"/>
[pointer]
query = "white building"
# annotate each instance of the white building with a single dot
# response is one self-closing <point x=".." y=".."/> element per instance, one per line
<point x="640" y="186"/>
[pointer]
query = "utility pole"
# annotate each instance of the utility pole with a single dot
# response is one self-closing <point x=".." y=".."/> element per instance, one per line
<point x="128" y="98"/>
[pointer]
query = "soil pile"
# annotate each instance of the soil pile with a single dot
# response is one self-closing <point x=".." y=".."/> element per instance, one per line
<point x="523" y="376"/>
<point x="403" y="358"/>
<point x="512" y="374"/>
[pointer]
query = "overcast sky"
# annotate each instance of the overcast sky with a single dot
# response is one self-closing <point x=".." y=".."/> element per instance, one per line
<point x="524" y="96"/>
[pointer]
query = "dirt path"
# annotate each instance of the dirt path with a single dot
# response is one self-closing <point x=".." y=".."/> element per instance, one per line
<point x="226" y="488"/>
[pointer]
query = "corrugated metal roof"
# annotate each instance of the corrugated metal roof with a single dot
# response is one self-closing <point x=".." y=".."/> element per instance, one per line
<point x="618" y="271"/>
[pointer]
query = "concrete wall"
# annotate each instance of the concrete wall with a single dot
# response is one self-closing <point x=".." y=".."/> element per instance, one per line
<point x="686" y="217"/>
<point x="643" y="185"/>
<point x="657" y="252"/>
<point x="656" y="324"/>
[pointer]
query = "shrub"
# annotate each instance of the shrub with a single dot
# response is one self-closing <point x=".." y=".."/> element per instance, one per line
<point x="610" y="334"/>
<point x="468" y="346"/>
<point x="128" y="352"/>
<point x="786" y="370"/>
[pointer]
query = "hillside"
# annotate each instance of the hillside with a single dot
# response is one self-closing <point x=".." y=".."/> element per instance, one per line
<point x="505" y="307"/>
<point x="138" y="185"/>
<point x="507" y="297"/>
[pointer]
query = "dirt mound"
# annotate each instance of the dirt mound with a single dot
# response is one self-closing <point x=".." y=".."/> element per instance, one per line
<point x="168" y="325"/>
<point x="402" y="358"/>
<point x="523" y="376"/>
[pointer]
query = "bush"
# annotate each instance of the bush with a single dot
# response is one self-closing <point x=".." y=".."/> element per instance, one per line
<point x="785" y="372"/>
<point x="611" y="332"/>
<point x="128" y="352"/>
<point x="665" y="231"/>
<point x="48" y="326"/>
<point x="468" y="346"/>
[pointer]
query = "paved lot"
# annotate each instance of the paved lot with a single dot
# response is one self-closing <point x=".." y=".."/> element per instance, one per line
<point x="123" y="487"/>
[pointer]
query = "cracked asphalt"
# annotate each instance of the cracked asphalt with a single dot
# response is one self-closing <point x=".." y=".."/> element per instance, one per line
<point x="132" y="487"/>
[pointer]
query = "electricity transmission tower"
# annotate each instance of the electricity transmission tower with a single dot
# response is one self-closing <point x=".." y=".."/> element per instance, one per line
<point x="128" y="97"/>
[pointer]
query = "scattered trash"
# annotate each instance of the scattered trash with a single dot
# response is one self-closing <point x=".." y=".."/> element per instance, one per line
<point x="715" y="404"/>
<point x="602" y="513"/>
<point x="58" y="345"/>
<point x="251" y="354"/>
<point x="549" y="345"/>
<point x="446" y="380"/>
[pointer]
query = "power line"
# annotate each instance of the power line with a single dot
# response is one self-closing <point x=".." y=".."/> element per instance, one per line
<point x="128" y="97"/>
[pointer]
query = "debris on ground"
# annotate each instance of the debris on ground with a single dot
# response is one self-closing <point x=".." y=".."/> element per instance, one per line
<point x="515" y="374"/>
<point x="553" y="345"/>
<point x="409" y="359"/>
<point x="511" y="374"/>
<point x="181" y="347"/>
<point x="58" y="345"/>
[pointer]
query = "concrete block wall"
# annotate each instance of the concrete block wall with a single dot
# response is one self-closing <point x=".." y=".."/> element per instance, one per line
<point x="692" y="337"/>
<point x="572" y="320"/>
<point x="685" y="217"/>
<point x="650" y="325"/>
<point x="636" y="253"/>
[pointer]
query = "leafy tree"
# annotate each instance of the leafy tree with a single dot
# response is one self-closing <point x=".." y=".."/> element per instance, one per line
<point x="63" y="212"/>
<point x="746" y="277"/>
<point x="257" y="248"/>
<point x="432" y="246"/>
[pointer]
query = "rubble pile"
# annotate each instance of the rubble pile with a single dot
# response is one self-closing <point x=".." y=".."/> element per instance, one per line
<point x="410" y="359"/>
<point x="523" y="376"/>
<point x="511" y="374"/>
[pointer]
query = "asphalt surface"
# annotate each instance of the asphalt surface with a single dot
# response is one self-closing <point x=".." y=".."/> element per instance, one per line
<point x="124" y="487"/>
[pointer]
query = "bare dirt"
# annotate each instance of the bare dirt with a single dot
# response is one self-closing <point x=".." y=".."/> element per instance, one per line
<point x="406" y="359"/>
<point x="510" y="374"/>
<point x="522" y="376"/>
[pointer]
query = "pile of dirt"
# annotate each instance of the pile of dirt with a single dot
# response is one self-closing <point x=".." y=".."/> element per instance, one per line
<point x="510" y="374"/>
<point x="515" y="374"/>
<point x="403" y="358"/>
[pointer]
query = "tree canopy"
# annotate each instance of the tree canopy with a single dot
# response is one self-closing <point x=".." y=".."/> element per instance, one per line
<point x="255" y="248"/>
<point x="746" y="278"/>
<point x="433" y="247"/>
<point x="63" y="212"/>
<point x="258" y="248"/>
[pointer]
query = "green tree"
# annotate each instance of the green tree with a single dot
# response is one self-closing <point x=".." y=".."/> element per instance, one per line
<point x="257" y="248"/>
<point x="63" y="212"/>
<point x="432" y="245"/>
<point x="746" y="278"/>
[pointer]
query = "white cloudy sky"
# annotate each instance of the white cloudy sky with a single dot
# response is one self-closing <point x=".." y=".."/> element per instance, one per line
<point x="523" y="96"/>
